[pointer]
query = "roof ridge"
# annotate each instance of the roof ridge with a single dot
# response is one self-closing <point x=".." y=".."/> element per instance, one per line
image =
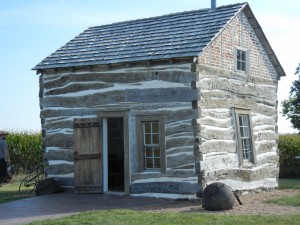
<point x="169" y="15"/>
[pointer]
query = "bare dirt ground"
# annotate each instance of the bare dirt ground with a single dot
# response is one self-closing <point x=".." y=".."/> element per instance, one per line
<point x="253" y="204"/>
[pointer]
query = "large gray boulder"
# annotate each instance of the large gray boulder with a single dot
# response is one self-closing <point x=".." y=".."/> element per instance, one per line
<point x="217" y="196"/>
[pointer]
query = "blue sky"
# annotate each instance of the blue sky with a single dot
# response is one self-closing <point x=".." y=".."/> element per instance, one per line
<point x="30" y="30"/>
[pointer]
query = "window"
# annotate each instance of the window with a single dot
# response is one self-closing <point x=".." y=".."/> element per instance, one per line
<point x="244" y="136"/>
<point x="241" y="60"/>
<point x="151" y="143"/>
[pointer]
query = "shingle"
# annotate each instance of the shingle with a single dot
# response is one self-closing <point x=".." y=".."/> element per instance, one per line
<point x="170" y="36"/>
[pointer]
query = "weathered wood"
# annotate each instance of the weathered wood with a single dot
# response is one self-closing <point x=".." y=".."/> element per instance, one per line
<point x="265" y="146"/>
<point x="221" y="84"/>
<point x="269" y="171"/>
<point x="220" y="134"/>
<point x="179" y="142"/>
<point x="67" y="155"/>
<point x="58" y="140"/>
<point x="164" y="187"/>
<point x="218" y="146"/>
<point x="87" y="158"/>
<point x="62" y="168"/>
<point x="246" y="103"/>
<point x="223" y="123"/>
<point x="76" y="87"/>
<point x="119" y="77"/>
<point x="180" y="149"/>
<point x="180" y="159"/>
<point x="178" y="129"/>
<point x="178" y="94"/>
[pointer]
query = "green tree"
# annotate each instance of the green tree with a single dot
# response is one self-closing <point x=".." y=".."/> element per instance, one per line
<point x="291" y="106"/>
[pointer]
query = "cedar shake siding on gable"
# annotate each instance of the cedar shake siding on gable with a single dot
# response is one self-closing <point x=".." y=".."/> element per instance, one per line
<point x="189" y="83"/>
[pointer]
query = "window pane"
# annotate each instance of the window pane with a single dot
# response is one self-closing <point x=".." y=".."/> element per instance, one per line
<point x="148" y="139"/>
<point x="156" y="153"/>
<point x="238" y="54"/>
<point x="149" y="152"/>
<point x="149" y="163"/>
<point x="239" y="66"/>
<point x="245" y="136"/>
<point x="243" y="66"/>
<point x="243" y="55"/>
<point x="147" y="127"/>
<point x="156" y="163"/>
<point x="155" y="139"/>
<point x="155" y="127"/>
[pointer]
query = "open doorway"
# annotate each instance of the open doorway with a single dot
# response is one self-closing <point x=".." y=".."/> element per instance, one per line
<point x="115" y="154"/>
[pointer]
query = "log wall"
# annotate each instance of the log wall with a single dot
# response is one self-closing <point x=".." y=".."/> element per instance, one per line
<point x="221" y="89"/>
<point x="66" y="95"/>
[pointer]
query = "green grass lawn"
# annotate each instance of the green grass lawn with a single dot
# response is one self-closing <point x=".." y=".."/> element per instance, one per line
<point x="289" y="183"/>
<point x="10" y="192"/>
<point x="288" y="201"/>
<point x="130" y="217"/>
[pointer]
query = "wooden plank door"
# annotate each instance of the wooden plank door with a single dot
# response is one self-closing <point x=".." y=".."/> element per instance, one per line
<point x="88" y="156"/>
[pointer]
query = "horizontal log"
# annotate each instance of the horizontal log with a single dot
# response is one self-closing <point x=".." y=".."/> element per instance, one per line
<point x="76" y="87"/>
<point x="179" y="128"/>
<point x="63" y="123"/>
<point x="265" y="135"/>
<point x="240" y="88"/>
<point x="244" y="103"/>
<point x="127" y="77"/>
<point x="258" y="119"/>
<point x="58" y="140"/>
<point x="269" y="171"/>
<point x="180" y="150"/>
<point x="218" y="146"/>
<point x="217" y="134"/>
<point x="180" y="142"/>
<point x="168" y="175"/>
<point x="265" y="146"/>
<point x="223" y="123"/>
<point x="164" y="187"/>
<point x="59" y="169"/>
<point x="267" y="158"/>
<point x="179" y="160"/>
<point x="67" y="155"/>
<point x="207" y="71"/>
<point x="178" y="94"/>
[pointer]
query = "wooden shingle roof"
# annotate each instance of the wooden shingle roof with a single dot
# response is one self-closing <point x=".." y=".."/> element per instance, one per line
<point x="178" y="35"/>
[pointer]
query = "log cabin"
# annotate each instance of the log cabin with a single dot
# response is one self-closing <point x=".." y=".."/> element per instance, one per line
<point x="163" y="106"/>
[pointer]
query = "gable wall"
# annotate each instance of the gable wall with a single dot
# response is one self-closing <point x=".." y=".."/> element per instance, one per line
<point x="239" y="33"/>
<point x="222" y="88"/>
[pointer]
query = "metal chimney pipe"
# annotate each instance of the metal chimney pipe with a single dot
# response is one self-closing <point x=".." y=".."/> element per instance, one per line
<point x="213" y="4"/>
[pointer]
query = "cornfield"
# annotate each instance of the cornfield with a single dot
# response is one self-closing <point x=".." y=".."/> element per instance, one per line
<point x="25" y="149"/>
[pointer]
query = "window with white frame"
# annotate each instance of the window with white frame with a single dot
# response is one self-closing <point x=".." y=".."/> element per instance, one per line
<point x="241" y="60"/>
<point x="244" y="135"/>
<point x="151" y="143"/>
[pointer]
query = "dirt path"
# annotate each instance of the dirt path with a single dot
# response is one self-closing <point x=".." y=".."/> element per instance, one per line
<point x="253" y="204"/>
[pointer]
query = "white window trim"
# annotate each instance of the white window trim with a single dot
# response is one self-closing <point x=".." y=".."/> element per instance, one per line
<point x="140" y="142"/>
<point x="242" y="161"/>
<point x="247" y="60"/>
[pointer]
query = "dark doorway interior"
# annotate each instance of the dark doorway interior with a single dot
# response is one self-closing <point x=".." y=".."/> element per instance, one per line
<point x="115" y="154"/>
